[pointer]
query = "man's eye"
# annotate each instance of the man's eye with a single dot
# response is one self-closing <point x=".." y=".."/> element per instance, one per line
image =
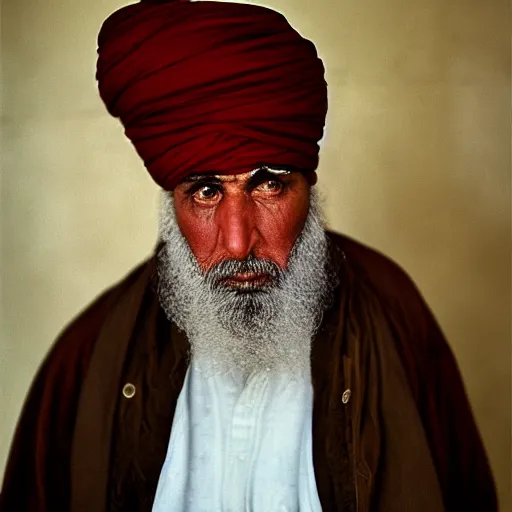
<point x="206" y="193"/>
<point x="271" y="186"/>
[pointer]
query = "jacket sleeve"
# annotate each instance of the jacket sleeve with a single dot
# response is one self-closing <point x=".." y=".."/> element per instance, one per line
<point x="37" y="473"/>
<point x="459" y="455"/>
<point x="463" y="465"/>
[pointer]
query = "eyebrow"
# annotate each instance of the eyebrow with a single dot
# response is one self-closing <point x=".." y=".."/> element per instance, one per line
<point x="271" y="170"/>
<point x="200" y="177"/>
<point x="255" y="175"/>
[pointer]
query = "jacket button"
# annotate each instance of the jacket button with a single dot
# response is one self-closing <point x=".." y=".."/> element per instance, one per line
<point x="346" y="396"/>
<point x="129" y="390"/>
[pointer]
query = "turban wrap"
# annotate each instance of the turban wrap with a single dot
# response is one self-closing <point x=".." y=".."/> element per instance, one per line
<point x="212" y="87"/>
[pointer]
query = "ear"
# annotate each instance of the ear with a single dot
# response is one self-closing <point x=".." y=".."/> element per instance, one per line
<point x="312" y="178"/>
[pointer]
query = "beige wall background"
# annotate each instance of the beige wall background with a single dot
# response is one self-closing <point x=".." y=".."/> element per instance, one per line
<point x="415" y="162"/>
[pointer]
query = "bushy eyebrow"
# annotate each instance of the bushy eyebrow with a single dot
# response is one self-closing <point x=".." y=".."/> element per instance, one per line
<point x="256" y="176"/>
<point x="210" y="176"/>
<point x="271" y="170"/>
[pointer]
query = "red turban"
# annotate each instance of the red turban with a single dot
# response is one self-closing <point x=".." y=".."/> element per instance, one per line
<point x="212" y="87"/>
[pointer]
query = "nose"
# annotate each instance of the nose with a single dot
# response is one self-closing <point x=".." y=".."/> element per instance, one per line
<point x="238" y="227"/>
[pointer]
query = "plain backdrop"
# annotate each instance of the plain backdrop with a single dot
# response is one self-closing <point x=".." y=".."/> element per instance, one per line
<point x="415" y="162"/>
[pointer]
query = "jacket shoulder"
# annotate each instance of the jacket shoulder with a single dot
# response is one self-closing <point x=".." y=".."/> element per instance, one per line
<point x="86" y="324"/>
<point x="389" y="280"/>
<point x="75" y="342"/>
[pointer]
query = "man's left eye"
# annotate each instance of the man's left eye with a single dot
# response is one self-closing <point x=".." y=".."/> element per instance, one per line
<point x="271" y="186"/>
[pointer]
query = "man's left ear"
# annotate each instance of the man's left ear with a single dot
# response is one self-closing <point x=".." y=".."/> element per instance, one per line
<point x="312" y="178"/>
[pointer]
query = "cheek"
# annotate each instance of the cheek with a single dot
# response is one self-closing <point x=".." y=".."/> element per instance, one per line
<point x="280" y="230"/>
<point x="200" y="232"/>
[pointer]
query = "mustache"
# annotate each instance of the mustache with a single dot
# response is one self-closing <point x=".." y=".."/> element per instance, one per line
<point x="228" y="269"/>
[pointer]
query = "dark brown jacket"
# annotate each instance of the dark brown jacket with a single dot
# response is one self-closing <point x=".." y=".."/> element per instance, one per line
<point x="405" y="440"/>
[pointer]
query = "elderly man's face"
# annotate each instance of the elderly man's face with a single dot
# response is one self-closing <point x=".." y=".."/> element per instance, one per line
<point x="244" y="269"/>
<point x="231" y="217"/>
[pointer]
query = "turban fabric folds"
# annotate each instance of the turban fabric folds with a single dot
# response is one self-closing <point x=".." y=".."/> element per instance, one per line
<point x="212" y="87"/>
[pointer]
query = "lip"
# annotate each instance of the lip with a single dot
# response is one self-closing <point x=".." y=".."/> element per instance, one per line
<point x="247" y="280"/>
<point x="247" y="277"/>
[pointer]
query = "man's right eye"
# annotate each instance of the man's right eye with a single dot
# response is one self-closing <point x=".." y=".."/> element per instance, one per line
<point x="207" y="194"/>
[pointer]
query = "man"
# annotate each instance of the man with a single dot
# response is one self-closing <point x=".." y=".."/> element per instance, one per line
<point x="256" y="362"/>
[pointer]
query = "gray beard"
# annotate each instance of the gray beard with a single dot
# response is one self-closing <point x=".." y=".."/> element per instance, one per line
<point x="245" y="331"/>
